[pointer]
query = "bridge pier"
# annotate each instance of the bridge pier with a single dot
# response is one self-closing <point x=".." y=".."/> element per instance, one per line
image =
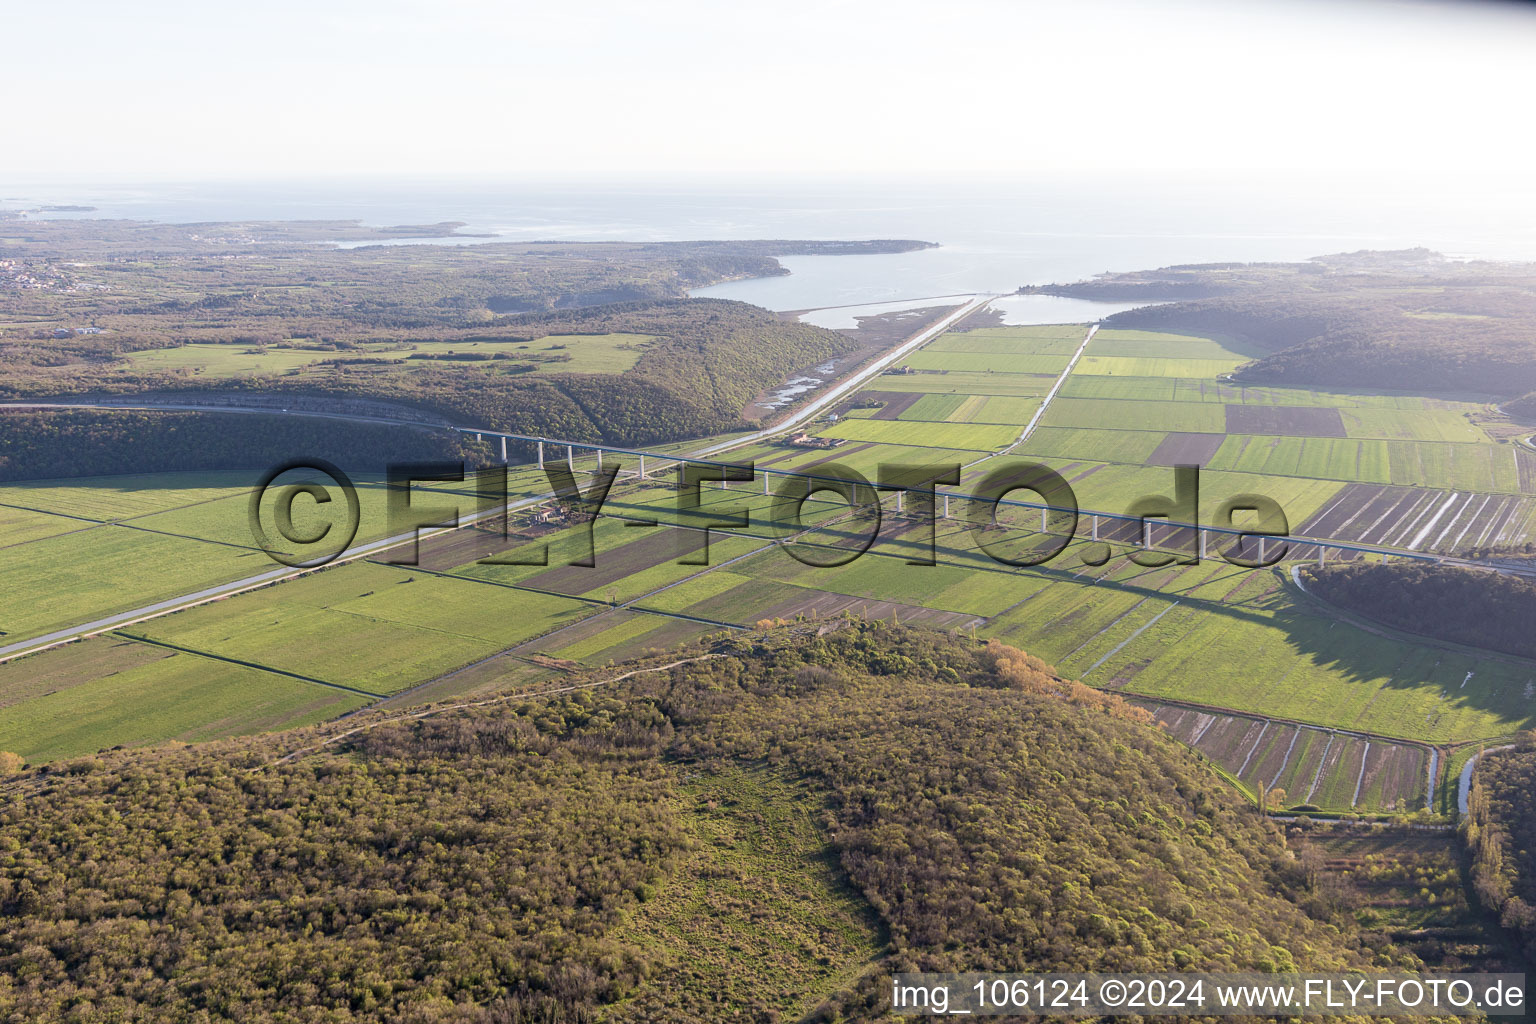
<point x="570" y="457"/>
<point x="1095" y="527"/>
<point x="765" y="483"/>
<point x="541" y="454"/>
<point x="1322" y="556"/>
<point x="946" y="506"/>
<point x="503" y="451"/>
<point x="1261" y="550"/>
<point x="1202" y="543"/>
<point x="1042" y="521"/>
<point x="898" y="500"/>
<point x="642" y="467"/>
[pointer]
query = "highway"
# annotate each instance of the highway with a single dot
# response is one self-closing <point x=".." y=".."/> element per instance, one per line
<point x="18" y="648"/>
<point x="831" y="396"/>
<point x="796" y="418"/>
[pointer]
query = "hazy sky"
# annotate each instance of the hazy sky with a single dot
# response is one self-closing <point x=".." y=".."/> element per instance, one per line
<point x="185" y="90"/>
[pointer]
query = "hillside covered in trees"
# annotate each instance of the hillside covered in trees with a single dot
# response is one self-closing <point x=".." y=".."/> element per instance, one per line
<point x="1488" y="610"/>
<point x="82" y="300"/>
<point x="1410" y="320"/>
<point x="1500" y="832"/>
<point x="708" y="359"/>
<point x="760" y="832"/>
<point x="37" y="444"/>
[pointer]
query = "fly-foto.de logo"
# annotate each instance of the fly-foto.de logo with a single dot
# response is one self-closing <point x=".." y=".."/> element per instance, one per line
<point x="306" y="513"/>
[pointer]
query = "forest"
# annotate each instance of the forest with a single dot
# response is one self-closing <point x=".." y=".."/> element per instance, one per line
<point x="710" y="357"/>
<point x="1500" y="833"/>
<point x="36" y="444"/>
<point x="1406" y="320"/>
<point x="627" y="852"/>
<point x="69" y="327"/>
<point x="1476" y="608"/>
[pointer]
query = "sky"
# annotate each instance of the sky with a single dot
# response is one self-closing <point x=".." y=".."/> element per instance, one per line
<point x="172" y="90"/>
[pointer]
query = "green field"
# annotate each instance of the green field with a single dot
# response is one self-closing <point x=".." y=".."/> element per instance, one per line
<point x="59" y="581"/>
<point x="107" y="691"/>
<point x="956" y="382"/>
<point x="105" y="499"/>
<point x="1137" y="415"/>
<point x="973" y="436"/>
<point x="1141" y="344"/>
<point x="1125" y="446"/>
<point x="988" y="362"/>
<point x="1193" y="389"/>
<point x="1244" y="640"/>
<point x="1153" y="366"/>
<point x="1214" y="633"/>
<point x="1048" y="340"/>
<point x="1411" y="425"/>
<point x="1485" y="467"/>
<point x="21" y="525"/>
<point x="374" y="628"/>
<point x="942" y="408"/>
<point x="151" y="538"/>
<point x="589" y="353"/>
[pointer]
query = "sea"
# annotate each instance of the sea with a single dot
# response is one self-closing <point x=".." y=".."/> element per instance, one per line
<point x="993" y="235"/>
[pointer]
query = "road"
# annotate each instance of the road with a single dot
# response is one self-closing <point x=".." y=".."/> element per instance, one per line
<point x="809" y="411"/>
<point x="795" y="419"/>
<point x="95" y="627"/>
<point x="1034" y="421"/>
<point x="151" y="611"/>
<point x="813" y="408"/>
<point x="241" y="410"/>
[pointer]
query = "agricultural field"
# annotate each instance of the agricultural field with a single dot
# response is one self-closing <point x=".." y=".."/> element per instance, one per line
<point x="1412" y="425"/>
<point x="1047" y="339"/>
<point x="1483" y="468"/>
<point x="1162" y="345"/>
<point x="958" y="382"/>
<point x="573" y="353"/>
<point x="1248" y="641"/>
<point x="971" y="436"/>
<point x="22" y="525"/>
<point x="946" y="408"/>
<point x="987" y="362"/>
<point x="1288" y="695"/>
<point x="1223" y="392"/>
<point x="1357" y="774"/>
<point x="106" y="691"/>
<point x="619" y="635"/>
<point x="1100" y="413"/>
<point x="1289" y="420"/>
<point x="108" y="499"/>
<point x="1425" y="520"/>
<point x="372" y="628"/>
<point x="58" y="581"/>
<point x="1129" y="447"/>
<point x="1153" y="366"/>
<point x="118" y="543"/>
